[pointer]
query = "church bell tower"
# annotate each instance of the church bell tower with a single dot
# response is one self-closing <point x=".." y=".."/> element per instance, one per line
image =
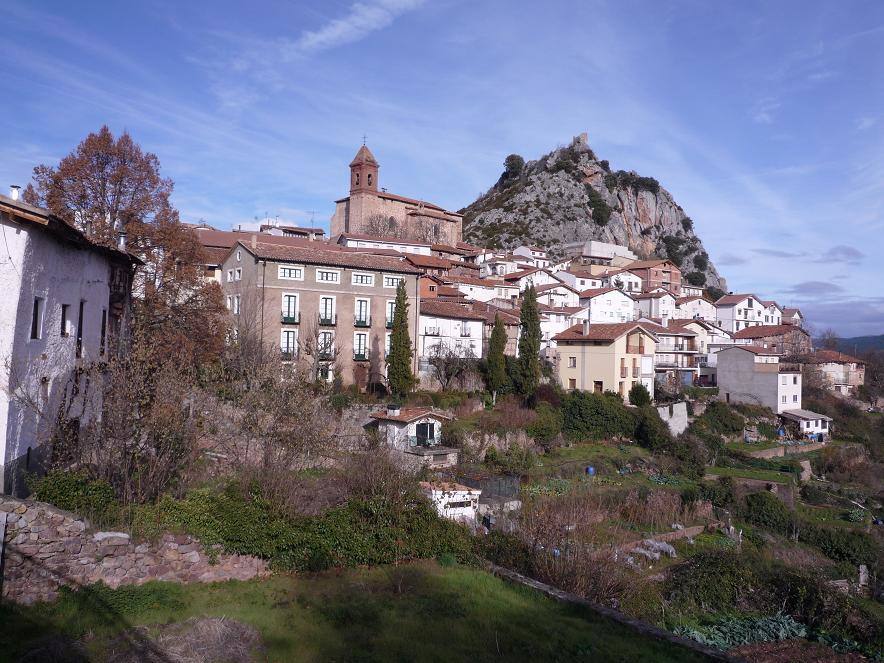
<point x="364" y="172"/>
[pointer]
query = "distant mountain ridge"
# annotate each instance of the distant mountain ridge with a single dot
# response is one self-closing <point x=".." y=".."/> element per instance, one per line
<point x="860" y="344"/>
<point x="569" y="195"/>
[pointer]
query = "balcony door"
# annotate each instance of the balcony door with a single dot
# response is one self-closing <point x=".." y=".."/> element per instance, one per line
<point x="362" y="312"/>
<point x="290" y="306"/>
<point x="426" y="434"/>
<point x="327" y="308"/>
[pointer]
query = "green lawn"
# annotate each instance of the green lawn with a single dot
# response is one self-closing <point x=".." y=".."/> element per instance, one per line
<point x="437" y="614"/>
<point x="751" y="473"/>
<point x="745" y="448"/>
<point x="574" y="459"/>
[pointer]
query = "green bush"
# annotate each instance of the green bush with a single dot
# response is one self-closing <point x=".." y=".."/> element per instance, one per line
<point x="712" y="581"/>
<point x="840" y="544"/>
<point x="547" y="425"/>
<point x="651" y="431"/>
<point x="765" y="510"/>
<point x="715" y="293"/>
<point x="720" y="493"/>
<point x="721" y="418"/>
<point x="601" y="211"/>
<point x="639" y="395"/>
<point x="456" y="432"/>
<point x="76" y="492"/>
<point x="687" y="224"/>
<point x="767" y="431"/>
<point x="696" y="278"/>
<point x="594" y="416"/>
<point x="701" y="261"/>
<point x="516" y="460"/>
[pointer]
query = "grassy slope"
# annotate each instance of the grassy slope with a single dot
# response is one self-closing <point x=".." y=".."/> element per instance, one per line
<point x="751" y="473"/>
<point x="441" y="614"/>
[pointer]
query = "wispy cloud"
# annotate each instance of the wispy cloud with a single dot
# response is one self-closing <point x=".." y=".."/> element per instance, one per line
<point x="362" y="19"/>
<point x="814" y="289"/>
<point x="731" y="259"/>
<point x="764" y="110"/>
<point x="864" y="123"/>
<point x="842" y="253"/>
<point x="776" y="253"/>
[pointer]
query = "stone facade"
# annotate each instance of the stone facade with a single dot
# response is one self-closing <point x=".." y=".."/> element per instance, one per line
<point x="45" y="548"/>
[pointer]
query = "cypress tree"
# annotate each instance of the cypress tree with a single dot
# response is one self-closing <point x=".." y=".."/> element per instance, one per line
<point x="496" y="377"/>
<point x="529" y="344"/>
<point x="399" y="375"/>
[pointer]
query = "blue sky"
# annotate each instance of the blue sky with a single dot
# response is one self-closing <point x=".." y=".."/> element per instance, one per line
<point x="764" y="119"/>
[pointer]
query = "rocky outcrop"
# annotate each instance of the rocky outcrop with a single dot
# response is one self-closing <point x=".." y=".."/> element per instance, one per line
<point x="45" y="548"/>
<point x="569" y="195"/>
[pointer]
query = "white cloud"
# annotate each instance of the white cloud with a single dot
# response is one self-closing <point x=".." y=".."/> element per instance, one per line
<point x="764" y="109"/>
<point x="864" y="123"/>
<point x="362" y="19"/>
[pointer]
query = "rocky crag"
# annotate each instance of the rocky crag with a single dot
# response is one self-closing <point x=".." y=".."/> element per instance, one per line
<point x="569" y="195"/>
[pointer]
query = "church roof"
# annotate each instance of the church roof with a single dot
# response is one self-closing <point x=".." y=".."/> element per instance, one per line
<point x="364" y="155"/>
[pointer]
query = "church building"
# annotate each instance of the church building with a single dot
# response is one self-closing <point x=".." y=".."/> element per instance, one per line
<point x="369" y="210"/>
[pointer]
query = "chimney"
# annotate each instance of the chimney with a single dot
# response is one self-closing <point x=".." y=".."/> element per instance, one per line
<point x="664" y="321"/>
<point x="121" y="240"/>
<point x="585" y="327"/>
<point x="254" y="242"/>
<point x="393" y="409"/>
<point x="14" y="191"/>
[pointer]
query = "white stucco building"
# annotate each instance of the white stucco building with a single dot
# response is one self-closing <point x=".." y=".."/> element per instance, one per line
<point x="363" y="241"/>
<point x="449" y="325"/>
<point x="736" y="312"/>
<point x="694" y="307"/>
<point x="453" y="500"/>
<point x="482" y="290"/>
<point x="659" y="304"/>
<point x="415" y="435"/>
<point x="750" y="374"/>
<point x="556" y="319"/>
<point x="533" y="255"/>
<point x="525" y="278"/>
<point x="64" y="306"/>
<point x="608" y="305"/>
<point x="557" y="294"/>
<point x="580" y="280"/>
<point x="622" y="279"/>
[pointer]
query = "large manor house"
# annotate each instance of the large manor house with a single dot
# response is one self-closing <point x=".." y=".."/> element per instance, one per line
<point x="371" y="210"/>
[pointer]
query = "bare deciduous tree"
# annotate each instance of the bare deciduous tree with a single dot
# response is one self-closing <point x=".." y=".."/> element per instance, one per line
<point x="449" y="365"/>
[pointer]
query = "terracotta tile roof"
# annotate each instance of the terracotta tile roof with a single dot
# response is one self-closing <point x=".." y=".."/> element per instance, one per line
<point x="472" y="280"/>
<point x="376" y="238"/>
<point x="733" y="300"/>
<point x="685" y="300"/>
<point x="364" y="155"/>
<point x="670" y="329"/>
<point x="754" y="349"/>
<point x="653" y="295"/>
<point x="312" y="255"/>
<point x="515" y="276"/>
<point x="645" y="264"/>
<point x="830" y="357"/>
<point x="567" y="310"/>
<point x="552" y="286"/>
<point x="595" y="292"/>
<point x="409" y="414"/>
<point x="227" y="238"/>
<point x="769" y="302"/>
<point x="449" y="310"/>
<point x="215" y="255"/>
<point x="760" y="331"/>
<point x="445" y="291"/>
<point x="447" y="248"/>
<point x="428" y="262"/>
<point x="508" y="317"/>
<point x="789" y="312"/>
<point x="599" y="332"/>
<point x="297" y="229"/>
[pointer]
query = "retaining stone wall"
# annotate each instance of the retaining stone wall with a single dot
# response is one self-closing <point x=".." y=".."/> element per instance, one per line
<point x="46" y="548"/>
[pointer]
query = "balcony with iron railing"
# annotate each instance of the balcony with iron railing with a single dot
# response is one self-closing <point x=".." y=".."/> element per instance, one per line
<point x="389" y="323"/>
<point x="362" y="322"/>
<point x="326" y="354"/>
<point x="465" y="332"/>
<point x="327" y="320"/>
<point x="290" y="318"/>
<point x="432" y="331"/>
<point x="415" y="441"/>
<point x="289" y="354"/>
<point x="624" y="372"/>
<point x="360" y="355"/>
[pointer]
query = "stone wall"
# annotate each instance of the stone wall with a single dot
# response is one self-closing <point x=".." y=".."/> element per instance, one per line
<point x="675" y="416"/>
<point x="45" y="548"/>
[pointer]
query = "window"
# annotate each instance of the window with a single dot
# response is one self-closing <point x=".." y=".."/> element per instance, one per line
<point x="572" y="383"/>
<point x="425" y="434"/>
<point x="238" y="255"/>
<point x="357" y="179"/>
<point x="392" y="281"/>
<point x="783" y="379"/>
<point x="328" y="276"/>
<point x="237" y="275"/>
<point x="391" y="309"/>
<point x="291" y="273"/>
<point x="362" y="318"/>
<point x="103" y="341"/>
<point x="229" y="274"/>
<point x="783" y="399"/>
<point x="65" y="308"/>
<point x="360" y="345"/>
<point x="37" y="318"/>
<point x="794" y="398"/>
<point x="326" y="344"/>
<point x="236" y="305"/>
<point x="749" y="303"/>
<point x="572" y="362"/>
<point x="794" y="379"/>
<point x="387" y="344"/>
<point x="289" y="308"/>
<point x="360" y="278"/>
<point x="80" y="323"/>
<point x="824" y="424"/>
<point x="288" y="343"/>
<point x="369" y="179"/>
<point x="326" y="309"/>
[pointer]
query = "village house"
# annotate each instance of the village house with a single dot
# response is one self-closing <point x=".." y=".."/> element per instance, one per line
<point x="453" y="500"/>
<point x="773" y="313"/>
<point x="415" y="434"/>
<point x="811" y="425"/>
<point x="525" y="278"/>
<point x="657" y="304"/>
<point x="364" y="241"/>
<point x="511" y="324"/>
<point x="754" y="375"/>
<point x="622" y="279"/>
<point x="65" y="308"/>
<point x="676" y="355"/>
<point x="793" y="316"/>
<point x="579" y="279"/>
<point x="593" y="252"/>
<point x="500" y="265"/>
<point x="533" y="255"/>
<point x="843" y="374"/>
<point x="482" y="290"/>
<point x="553" y="321"/>
<point x="736" y="312"/>
<point x="688" y="290"/>
<point x="788" y="340"/>
<point x="606" y="357"/>
<point x="282" y="230"/>
<point x="607" y="305"/>
<point x="448" y="328"/>
<point x="657" y="273"/>
<point x="694" y="307"/>
<point x="557" y="294"/>
<point x="330" y="309"/>
<point x="430" y="265"/>
<point x="371" y="210"/>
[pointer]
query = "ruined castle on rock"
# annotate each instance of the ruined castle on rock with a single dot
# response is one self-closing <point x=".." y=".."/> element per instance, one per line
<point x="371" y="210"/>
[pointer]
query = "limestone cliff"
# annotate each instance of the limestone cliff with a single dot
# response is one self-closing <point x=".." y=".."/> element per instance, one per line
<point x="569" y="195"/>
